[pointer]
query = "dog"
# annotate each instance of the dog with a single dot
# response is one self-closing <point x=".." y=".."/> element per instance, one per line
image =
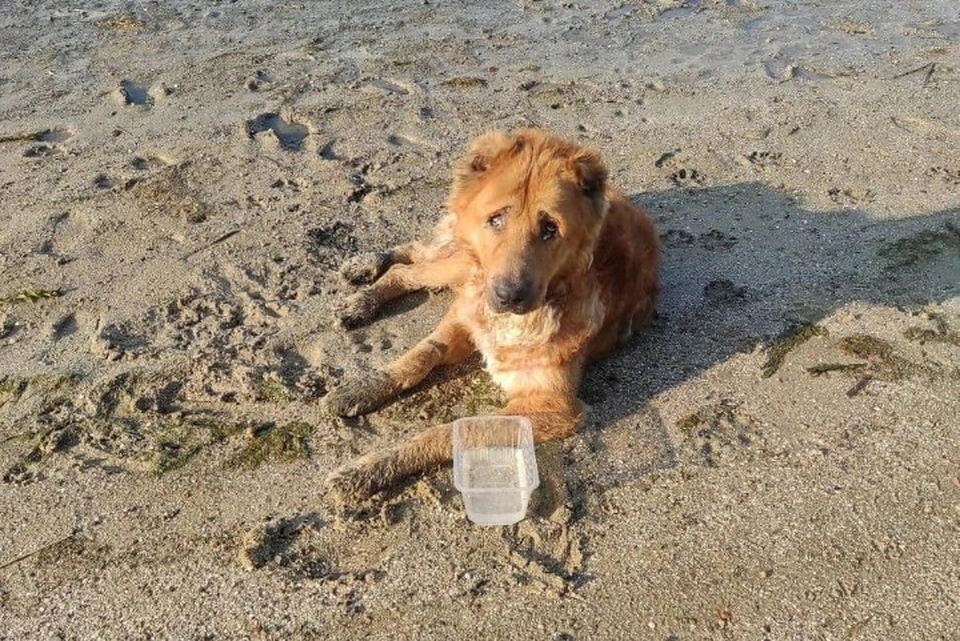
<point x="551" y="268"/>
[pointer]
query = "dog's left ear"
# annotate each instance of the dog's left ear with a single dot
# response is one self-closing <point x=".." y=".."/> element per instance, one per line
<point x="589" y="172"/>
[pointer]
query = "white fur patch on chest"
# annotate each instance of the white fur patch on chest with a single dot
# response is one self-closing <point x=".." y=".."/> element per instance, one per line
<point x="533" y="335"/>
<point x="519" y="381"/>
<point x="511" y="330"/>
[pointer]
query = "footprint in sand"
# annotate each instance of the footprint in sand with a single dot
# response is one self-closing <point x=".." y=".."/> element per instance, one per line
<point x="677" y="238"/>
<point x="56" y="136"/>
<point x="49" y="142"/>
<point x="142" y="165"/>
<point x="150" y="163"/>
<point x="949" y="175"/>
<point x="258" y="81"/>
<point x="42" y="151"/>
<point x="103" y="181"/>
<point x="128" y="93"/>
<point x="64" y="232"/>
<point x="684" y="177"/>
<point x="716" y="240"/>
<point x="8" y="325"/>
<point x="64" y="327"/>
<point x="291" y="135"/>
<point x="763" y="158"/>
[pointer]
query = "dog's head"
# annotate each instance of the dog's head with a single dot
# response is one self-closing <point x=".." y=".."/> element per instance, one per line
<point x="529" y="207"/>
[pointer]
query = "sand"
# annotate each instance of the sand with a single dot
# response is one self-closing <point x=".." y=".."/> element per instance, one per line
<point x="776" y="457"/>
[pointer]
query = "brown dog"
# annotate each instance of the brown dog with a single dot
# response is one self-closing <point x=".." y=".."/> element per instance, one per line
<point x="551" y="267"/>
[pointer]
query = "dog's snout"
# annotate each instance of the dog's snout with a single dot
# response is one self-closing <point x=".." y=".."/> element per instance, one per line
<point x="512" y="295"/>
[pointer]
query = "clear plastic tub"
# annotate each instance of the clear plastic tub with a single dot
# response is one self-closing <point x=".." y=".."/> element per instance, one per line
<point x="494" y="467"/>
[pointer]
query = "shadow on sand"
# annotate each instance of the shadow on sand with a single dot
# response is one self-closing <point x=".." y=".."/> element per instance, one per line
<point x="742" y="265"/>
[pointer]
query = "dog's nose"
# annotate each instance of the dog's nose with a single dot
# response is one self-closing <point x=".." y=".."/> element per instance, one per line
<point x="511" y="294"/>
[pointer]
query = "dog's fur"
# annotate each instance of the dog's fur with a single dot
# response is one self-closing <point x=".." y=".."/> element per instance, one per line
<point x="551" y="267"/>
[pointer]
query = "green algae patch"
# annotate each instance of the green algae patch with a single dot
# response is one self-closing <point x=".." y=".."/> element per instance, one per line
<point x="472" y="395"/>
<point x="121" y="23"/>
<point x="865" y="346"/>
<point x="272" y="390"/>
<point x="825" y="368"/>
<point x="464" y="82"/>
<point x="12" y="389"/>
<point x="30" y="296"/>
<point x="883" y="363"/>
<point x="786" y="343"/>
<point x="939" y="333"/>
<point x="273" y="443"/>
<point x="183" y="438"/>
<point x="172" y="456"/>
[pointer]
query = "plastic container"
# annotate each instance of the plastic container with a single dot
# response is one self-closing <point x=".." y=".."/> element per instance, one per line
<point x="494" y="467"/>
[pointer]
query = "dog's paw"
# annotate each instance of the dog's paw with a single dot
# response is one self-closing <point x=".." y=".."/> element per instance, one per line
<point x="363" y="396"/>
<point x="360" y="479"/>
<point x="366" y="268"/>
<point x="349" y="485"/>
<point x="357" y="310"/>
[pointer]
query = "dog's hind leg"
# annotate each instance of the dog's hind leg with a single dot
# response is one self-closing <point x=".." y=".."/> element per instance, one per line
<point x="448" y="344"/>
<point x="401" y="279"/>
<point x="367" y="268"/>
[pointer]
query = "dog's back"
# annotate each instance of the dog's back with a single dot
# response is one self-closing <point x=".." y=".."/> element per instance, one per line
<point x="627" y="265"/>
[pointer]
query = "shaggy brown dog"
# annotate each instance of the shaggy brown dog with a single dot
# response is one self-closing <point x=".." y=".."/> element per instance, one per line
<point x="551" y="267"/>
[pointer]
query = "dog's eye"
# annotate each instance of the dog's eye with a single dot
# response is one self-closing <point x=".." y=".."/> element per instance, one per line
<point x="496" y="221"/>
<point x="548" y="229"/>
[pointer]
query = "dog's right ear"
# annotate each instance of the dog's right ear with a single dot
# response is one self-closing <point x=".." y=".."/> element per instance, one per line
<point x="483" y="150"/>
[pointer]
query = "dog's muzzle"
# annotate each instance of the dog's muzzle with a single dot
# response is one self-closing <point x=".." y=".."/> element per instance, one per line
<point x="511" y="295"/>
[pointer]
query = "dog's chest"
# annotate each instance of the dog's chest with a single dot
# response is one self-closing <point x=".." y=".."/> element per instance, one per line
<point x="495" y="333"/>
<point x="519" y="351"/>
<point x="529" y="345"/>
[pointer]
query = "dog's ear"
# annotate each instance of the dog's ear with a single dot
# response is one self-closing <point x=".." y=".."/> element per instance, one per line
<point x="589" y="172"/>
<point x="483" y="150"/>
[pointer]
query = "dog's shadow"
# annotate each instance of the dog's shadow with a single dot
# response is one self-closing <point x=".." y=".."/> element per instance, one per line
<point x="742" y="264"/>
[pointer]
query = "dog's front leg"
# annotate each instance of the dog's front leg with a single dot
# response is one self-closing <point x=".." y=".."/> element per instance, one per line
<point x="553" y="416"/>
<point x="448" y="344"/>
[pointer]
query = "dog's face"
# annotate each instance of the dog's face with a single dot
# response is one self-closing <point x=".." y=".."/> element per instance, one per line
<point x="529" y="208"/>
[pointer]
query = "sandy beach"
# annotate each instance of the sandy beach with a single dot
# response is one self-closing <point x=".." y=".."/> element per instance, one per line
<point x="777" y="457"/>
